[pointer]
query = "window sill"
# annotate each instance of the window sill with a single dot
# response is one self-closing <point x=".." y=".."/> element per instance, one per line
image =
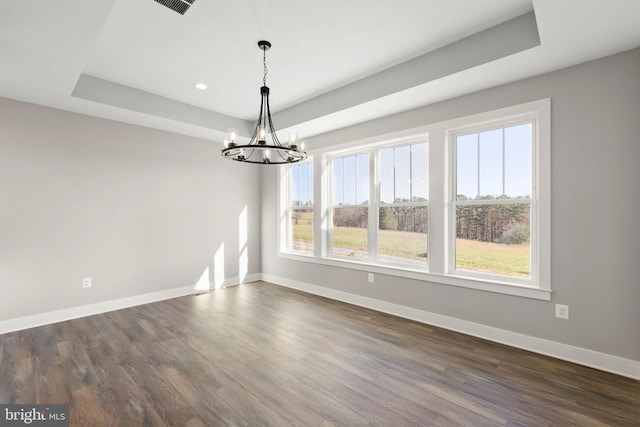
<point x="514" y="289"/>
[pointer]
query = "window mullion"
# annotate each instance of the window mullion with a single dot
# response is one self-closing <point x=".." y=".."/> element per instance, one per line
<point x="478" y="147"/>
<point x="440" y="190"/>
<point x="287" y="219"/>
<point x="373" y="219"/>
<point x="344" y="184"/>
<point x="503" y="165"/>
<point x="299" y="185"/>
<point x="410" y="173"/>
<point x="394" y="175"/>
<point x="329" y="199"/>
<point x="309" y="184"/>
<point x="319" y="205"/>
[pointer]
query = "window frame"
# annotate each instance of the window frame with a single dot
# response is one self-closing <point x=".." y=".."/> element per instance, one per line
<point x="531" y="200"/>
<point x="328" y="162"/>
<point x="286" y="236"/>
<point x="439" y="137"/>
<point x="378" y="204"/>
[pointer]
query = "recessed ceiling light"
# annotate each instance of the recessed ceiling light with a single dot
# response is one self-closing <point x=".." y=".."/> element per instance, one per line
<point x="200" y="86"/>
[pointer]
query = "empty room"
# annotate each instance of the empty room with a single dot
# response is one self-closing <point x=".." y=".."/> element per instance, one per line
<point x="331" y="213"/>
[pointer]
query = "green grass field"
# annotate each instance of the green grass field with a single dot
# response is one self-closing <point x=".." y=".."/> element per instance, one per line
<point x="497" y="258"/>
<point x="303" y="232"/>
<point x="403" y="244"/>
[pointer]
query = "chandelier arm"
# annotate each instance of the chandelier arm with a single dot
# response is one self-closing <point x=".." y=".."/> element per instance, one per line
<point x="255" y="138"/>
<point x="279" y="152"/>
<point x="261" y="110"/>
<point x="267" y="114"/>
<point x="272" y="130"/>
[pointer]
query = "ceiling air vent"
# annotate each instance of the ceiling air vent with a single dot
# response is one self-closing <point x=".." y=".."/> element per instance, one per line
<point x="180" y="6"/>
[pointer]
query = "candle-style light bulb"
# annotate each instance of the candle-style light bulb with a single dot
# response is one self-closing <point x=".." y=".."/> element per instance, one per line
<point x="232" y="134"/>
<point x="262" y="134"/>
<point x="303" y="146"/>
<point x="293" y="140"/>
<point x="267" y="155"/>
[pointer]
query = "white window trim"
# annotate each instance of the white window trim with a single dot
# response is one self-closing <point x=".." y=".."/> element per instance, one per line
<point x="328" y="166"/>
<point x="452" y="134"/>
<point x="439" y="198"/>
<point x="284" y="206"/>
<point x="375" y="221"/>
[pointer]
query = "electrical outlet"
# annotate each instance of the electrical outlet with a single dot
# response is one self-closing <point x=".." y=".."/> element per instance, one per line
<point x="370" y="277"/>
<point x="562" y="311"/>
<point x="86" y="282"/>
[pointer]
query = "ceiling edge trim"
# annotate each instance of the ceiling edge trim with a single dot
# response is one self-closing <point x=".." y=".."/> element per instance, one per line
<point x="505" y="39"/>
<point x="107" y="92"/>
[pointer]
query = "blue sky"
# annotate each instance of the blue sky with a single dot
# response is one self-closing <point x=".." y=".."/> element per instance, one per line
<point x="404" y="173"/>
<point x="351" y="179"/>
<point x="301" y="180"/>
<point x="483" y="170"/>
<point x="488" y="163"/>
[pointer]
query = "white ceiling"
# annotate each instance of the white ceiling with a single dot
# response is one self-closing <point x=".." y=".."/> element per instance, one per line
<point x="333" y="63"/>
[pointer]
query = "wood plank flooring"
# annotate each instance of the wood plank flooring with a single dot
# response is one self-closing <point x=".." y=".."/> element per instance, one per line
<point x="262" y="355"/>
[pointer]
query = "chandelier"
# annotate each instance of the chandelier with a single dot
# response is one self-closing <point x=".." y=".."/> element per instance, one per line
<point x="264" y="146"/>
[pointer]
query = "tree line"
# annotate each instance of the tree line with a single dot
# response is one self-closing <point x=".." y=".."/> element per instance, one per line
<point x="503" y="223"/>
<point x="413" y="219"/>
<point x="500" y="223"/>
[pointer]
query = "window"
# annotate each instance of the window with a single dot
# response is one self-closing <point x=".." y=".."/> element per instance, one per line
<point x="403" y="209"/>
<point x="392" y="229"/>
<point x="300" y="212"/>
<point x="492" y="201"/>
<point x="350" y="206"/>
<point x="465" y="202"/>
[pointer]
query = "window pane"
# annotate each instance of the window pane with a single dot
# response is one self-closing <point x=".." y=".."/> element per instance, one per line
<point x="349" y="180"/>
<point x="491" y="164"/>
<point x="362" y="193"/>
<point x="350" y="232"/>
<point x="386" y="176"/>
<point x="420" y="172"/>
<point x="295" y="186"/>
<point x="517" y="161"/>
<point x="403" y="174"/>
<point x="304" y="184"/>
<point x="302" y="230"/>
<point x="338" y="181"/>
<point x="494" y="239"/>
<point x="402" y="237"/>
<point x="467" y="166"/>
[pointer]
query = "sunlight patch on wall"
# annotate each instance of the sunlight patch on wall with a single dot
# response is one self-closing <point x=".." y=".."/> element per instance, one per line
<point x="203" y="282"/>
<point x="243" y="260"/>
<point x="218" y="267"/>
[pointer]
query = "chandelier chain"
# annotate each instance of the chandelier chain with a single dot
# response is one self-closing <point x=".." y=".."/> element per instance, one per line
<point x="264" y="63"/>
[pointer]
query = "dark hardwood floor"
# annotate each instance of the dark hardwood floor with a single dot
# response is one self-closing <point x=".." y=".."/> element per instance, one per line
<point x="259" y="354"/>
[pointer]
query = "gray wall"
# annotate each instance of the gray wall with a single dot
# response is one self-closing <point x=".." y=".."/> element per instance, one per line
<point x="595" y="213"/>
<point x="138" y="210"/>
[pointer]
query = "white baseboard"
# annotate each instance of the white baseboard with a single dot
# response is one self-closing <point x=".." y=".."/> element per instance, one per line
<point x="48" y="318"/>
<point x="582" y="356"/>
